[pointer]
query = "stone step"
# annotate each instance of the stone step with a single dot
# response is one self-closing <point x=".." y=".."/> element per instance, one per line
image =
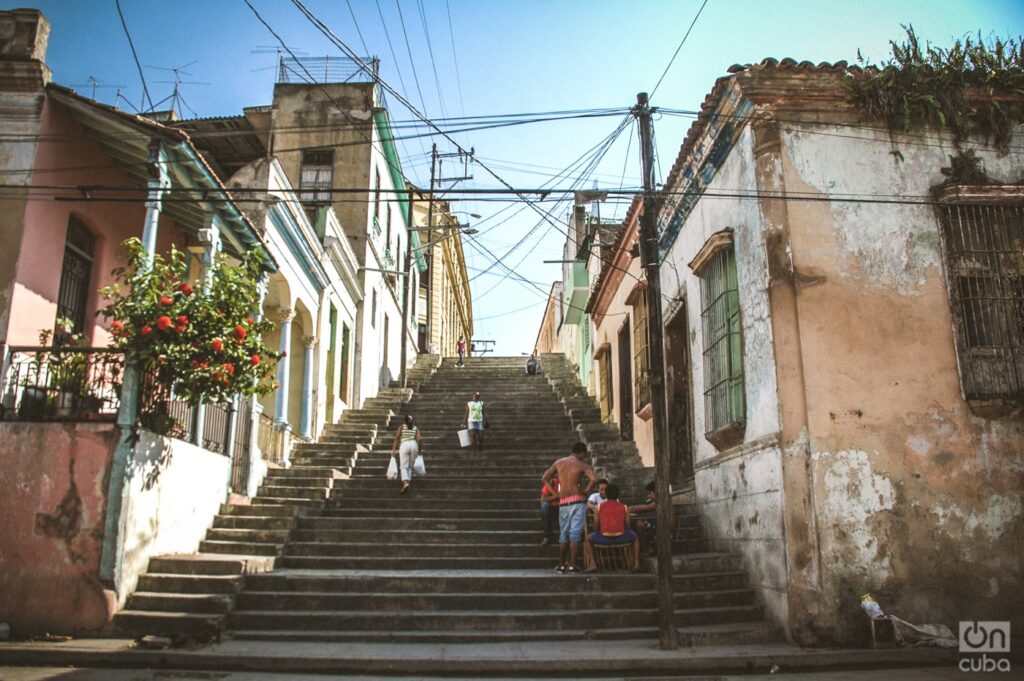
<point x="555" y="605"/>
<point x="383" y="534"/>
<point x="209" y="564"/>
<point x="325" y="472"/>
<point x="461" y="620"/>
<point x="261" y="511"/>
<point x="202" y="626"/>
<point x="525" y="507"/>
<point x="266" y="536"/>
<point x="178" y="602"/>
<point x="292" y="492"/>
<point x="389" y="563"/>
<point x="517" y="582"/>
<point x="360" y="510"/>
<point x="718" y="634"/>
<point x="252" y="522"/>
<point x="417" y="523"/>
<point x="383" y="548"/>
<point x="194" y="584"/>
<point x="253" y="548"/>
<point x="477" y="495"/>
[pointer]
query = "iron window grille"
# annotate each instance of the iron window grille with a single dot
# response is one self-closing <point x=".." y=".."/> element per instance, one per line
<point x="641" y="358"/>
<point x="984" y="250"/>
<point x="76" y="274"/>
<point x="317" y="176"/>
<point x="724" y="396"/>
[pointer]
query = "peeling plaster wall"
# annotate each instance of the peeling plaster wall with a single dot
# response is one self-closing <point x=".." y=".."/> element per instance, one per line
<point x="739" y="491"/>
<point x="919" y="500"/>
<point x="174" y="491"/>
<point x="53" y="487"/>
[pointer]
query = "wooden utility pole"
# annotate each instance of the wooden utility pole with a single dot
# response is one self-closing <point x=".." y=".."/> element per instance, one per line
<point x="650" y="258"/>
<point x="406" y="271"/>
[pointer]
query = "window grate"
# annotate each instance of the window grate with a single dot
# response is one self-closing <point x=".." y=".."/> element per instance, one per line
<point x="724" y="398"/>
<point x="641" y="360"/>
<point x="316" y="179"/>
<point x="76" y="275"/>
<point x="984" y="248"/>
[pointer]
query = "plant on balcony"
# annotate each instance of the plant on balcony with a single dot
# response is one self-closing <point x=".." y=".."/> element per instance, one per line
<point x="201" y="345"/>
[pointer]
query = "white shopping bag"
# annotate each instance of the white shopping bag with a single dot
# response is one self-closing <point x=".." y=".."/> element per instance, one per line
<point x="393" y="469"/>
<point x="464" y="439"/>
<point x="418" y="467"/>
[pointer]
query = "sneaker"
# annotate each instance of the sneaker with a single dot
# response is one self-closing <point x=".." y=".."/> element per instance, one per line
<point x="560" y="569"/>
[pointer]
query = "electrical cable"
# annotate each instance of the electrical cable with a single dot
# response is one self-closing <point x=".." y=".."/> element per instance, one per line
<point x="681" y="42"/>
<point x="135" y="56"/>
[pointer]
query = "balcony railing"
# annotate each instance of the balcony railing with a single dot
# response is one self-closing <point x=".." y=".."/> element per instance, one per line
<point x="60" y="383"/>
<point x="376" y="226"/>
<point x="270" y="440"/>
<point x="389" y="259"/>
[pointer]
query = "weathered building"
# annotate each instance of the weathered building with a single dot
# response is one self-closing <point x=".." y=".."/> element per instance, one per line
<point x="849" y="351"/>
<point x="547" y="334"/>
<point x="444" y="302"/>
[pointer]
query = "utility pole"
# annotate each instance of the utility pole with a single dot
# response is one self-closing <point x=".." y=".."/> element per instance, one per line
<point x="430" y="252"/>
<point x="406" y="271"/>
<point x="656" y="370"/>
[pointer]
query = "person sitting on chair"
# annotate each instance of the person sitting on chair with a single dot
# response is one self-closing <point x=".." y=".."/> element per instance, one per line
<point x="647" y="527"/>
<point x="612" y="528"/>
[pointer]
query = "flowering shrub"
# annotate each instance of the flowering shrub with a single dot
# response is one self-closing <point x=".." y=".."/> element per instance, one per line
<point x="206" y="346"/>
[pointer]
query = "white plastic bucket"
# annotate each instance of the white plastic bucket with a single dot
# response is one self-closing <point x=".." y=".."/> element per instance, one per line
<point x="464" y="438"/>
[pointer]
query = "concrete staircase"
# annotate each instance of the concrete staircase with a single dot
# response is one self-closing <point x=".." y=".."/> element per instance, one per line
<point x="190" y="595"/>
<point x="459" y="559"/>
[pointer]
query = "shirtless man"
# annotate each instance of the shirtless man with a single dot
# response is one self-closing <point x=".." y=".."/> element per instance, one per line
<point x="572" y="503"/>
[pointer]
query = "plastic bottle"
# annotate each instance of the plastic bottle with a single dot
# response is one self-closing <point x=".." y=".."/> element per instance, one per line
<point x="871" y="607"/>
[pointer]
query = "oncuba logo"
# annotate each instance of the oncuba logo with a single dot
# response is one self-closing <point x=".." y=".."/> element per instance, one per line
<point x="984" y="638"/>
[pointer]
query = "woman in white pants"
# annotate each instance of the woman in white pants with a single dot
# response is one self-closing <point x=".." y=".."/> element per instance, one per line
<point x="407" y="445"/>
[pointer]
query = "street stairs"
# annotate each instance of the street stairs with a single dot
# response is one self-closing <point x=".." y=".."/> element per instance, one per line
<point x="329" y="551"/>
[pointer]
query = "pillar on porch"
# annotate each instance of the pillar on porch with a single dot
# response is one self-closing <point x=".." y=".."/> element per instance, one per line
<point x="284" y="347"/>
<point x="209" y="238"/>
<point x="306" y="425"/>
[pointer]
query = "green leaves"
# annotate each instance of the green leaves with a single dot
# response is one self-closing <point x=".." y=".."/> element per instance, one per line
<point x="959" y="88"/>
<point x="204" y="343"/>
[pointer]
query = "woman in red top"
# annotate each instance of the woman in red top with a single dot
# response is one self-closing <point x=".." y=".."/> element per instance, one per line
<point x="612" y="524"/>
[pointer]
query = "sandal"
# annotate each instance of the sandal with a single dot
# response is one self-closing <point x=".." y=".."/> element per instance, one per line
<point x="405" y="488"/>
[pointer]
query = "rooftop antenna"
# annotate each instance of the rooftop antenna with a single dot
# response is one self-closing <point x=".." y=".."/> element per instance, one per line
<point x="175" y="96"/>
<point x="97" y="84"/>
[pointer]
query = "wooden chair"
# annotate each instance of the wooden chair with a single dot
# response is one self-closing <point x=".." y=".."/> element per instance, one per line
<point x="613" y="557"/>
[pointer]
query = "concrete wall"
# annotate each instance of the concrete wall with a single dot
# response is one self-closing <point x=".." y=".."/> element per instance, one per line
<point x="607" y="332"/>
<point x="917" y="499"/>
<point x="738" y="491"/>
<point x="37" y="280"/>
<point x="174" y="490"/>
<point x="53" y="495"/>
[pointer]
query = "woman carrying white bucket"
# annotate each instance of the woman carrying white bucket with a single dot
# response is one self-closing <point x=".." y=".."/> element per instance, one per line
<point x="476" y="420"/>
<point x="407" y="444"/>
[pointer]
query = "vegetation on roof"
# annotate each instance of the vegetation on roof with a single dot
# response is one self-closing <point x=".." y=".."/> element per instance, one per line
<point x="973" y="87"/>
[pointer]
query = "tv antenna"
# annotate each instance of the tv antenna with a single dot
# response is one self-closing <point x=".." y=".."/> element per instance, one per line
<point x="96" y="84"/>
<point x="175" y="97"/>
<point x="278" y="51"/>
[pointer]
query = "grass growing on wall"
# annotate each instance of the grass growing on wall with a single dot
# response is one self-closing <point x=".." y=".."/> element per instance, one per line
<point x="972" y="87"/>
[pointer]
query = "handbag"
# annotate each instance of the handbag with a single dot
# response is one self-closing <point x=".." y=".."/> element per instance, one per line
<point x="418" y="466"/>
<point x="487" y="424"/>
<point x="392" y="473"/>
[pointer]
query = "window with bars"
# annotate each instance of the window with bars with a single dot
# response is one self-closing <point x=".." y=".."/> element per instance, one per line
<point x="76" y="274"/>
<point x="641" y="359"/>
<point x="343" y="380"/>
<point x="376" y="194"/>
<point x="316" y="177"/>
<point x="984" y="251"/>
<point x="724" y="397"/>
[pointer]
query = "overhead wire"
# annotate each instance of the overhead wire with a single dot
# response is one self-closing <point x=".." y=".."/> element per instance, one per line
<point x="676" y="54"/>
<point x="455" y="57"/>
<point x="135" y="56"/>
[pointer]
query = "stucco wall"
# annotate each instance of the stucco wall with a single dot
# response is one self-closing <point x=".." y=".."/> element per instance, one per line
<point x="174" y="491"/>
<point x="919" y="500"/>
<point x="53" y="490"/>
<point x="739" y="492"/>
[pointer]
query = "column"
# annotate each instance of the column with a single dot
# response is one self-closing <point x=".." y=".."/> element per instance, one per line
<point x="255" y="455"/>
<point x="209" y="238"/>
<point x="284" y="347"/>
<point x="308" y="359"/>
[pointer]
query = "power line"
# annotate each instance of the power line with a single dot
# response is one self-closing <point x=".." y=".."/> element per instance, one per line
<point x="135" y="56"/>
<point x="355" y="22"/>
<point x="455" y="57"/>
<point x="430" y="51"/>
<point x="676" y="54"/>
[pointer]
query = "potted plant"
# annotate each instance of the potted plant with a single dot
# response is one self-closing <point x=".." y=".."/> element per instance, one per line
<point x="34" y="388"/>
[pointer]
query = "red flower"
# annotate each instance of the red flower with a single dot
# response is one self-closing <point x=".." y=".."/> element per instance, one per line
<point x="179" y="328"/>
<point x="251" y="320"/>
<point x="230" y="368"/>
<point x="182" y="319"/>
<point x="240" y="333"/>
<point x="146" y="330"/>
<point x="116" y="325"/>
<point x="254" y="360"/>
<point x="186" y="289"/>
<point x="162" y="322"/>
<point x="166" y="300"/>
<point x="217" y="344"/>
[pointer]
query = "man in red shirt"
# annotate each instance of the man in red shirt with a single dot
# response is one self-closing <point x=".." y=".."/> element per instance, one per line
<point x="612" y="528"/>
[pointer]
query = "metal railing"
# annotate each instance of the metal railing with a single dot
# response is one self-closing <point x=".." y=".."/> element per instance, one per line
<point x="60" y="383"/>
<point x="325" y="70"/>
<point x="270" y="440"/>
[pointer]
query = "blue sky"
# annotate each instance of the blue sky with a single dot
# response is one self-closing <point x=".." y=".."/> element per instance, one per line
<point x="515" y="56"/>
